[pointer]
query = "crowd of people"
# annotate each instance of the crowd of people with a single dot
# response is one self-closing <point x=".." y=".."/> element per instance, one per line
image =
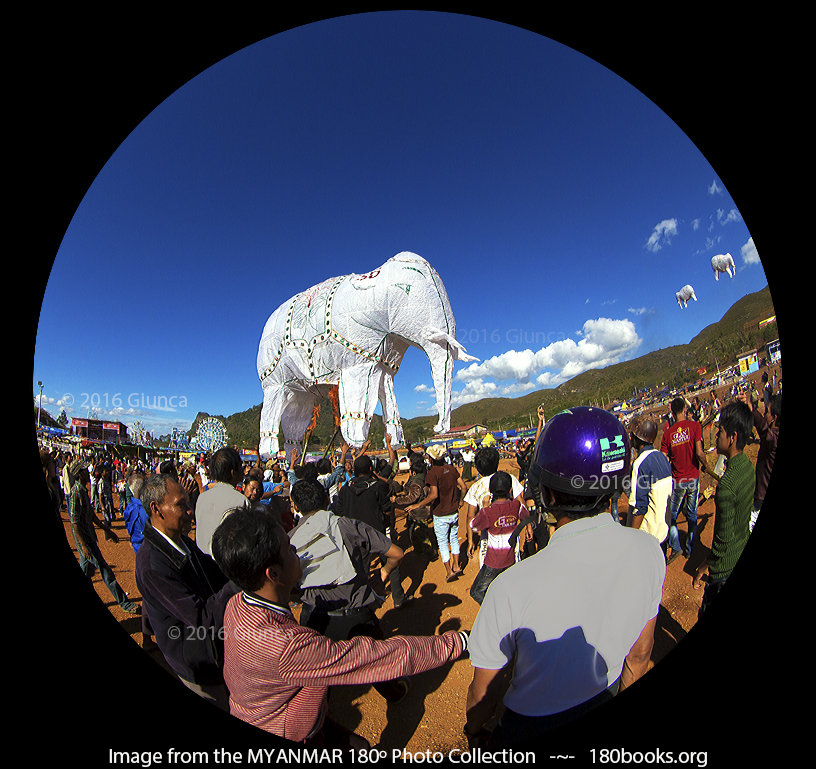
<point x="276" y="535"/>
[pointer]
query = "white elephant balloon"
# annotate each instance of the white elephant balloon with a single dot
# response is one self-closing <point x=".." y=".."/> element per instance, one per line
<point x="723" y="263"/>
<point x="684" y="295"/>
<point x="352" y="332"/>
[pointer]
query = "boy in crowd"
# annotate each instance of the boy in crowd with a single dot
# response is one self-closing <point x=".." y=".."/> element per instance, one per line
<point x="499" y="519"/>
<point x="487" y="463"/>
<point x="734" y="501"/>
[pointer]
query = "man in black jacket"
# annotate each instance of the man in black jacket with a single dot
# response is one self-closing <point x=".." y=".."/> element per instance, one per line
<point x="183" y="591"/>
<point x="367" y="499"/>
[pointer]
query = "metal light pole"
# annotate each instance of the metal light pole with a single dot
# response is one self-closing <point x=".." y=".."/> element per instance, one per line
<point x="39" y="406"/>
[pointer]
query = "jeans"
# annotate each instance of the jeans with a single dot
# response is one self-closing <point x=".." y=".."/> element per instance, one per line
<point x="684" y="497"/>
<point x="446" y="528"/>
<point x="712" y="590"/>
<point x="483" y="579"/>
<point x="614" y="509"/>
<point x="96" y="561"/>
<point x="395" y="581"/>
<point x="514" y="729"/>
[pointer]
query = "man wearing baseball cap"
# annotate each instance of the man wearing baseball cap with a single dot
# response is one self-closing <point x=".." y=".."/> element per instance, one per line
<point x="447" y="489"/>
<point x="83" y="519"/>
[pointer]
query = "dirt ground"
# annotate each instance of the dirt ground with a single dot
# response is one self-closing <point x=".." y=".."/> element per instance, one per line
<point x="432" y="714"/>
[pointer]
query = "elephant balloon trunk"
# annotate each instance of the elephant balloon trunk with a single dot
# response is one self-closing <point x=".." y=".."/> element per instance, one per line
<point x="442" y="350"/>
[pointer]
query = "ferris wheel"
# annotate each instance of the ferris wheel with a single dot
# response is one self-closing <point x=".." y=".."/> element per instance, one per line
<point x="139" y="434"/>
<point x="179" y="440"/>
<point x="211" y="435"/>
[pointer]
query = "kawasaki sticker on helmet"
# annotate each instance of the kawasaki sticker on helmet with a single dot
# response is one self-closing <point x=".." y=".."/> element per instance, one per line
<point x="612" y="454"/>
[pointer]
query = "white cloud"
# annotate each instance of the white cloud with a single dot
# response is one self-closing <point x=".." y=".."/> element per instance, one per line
<point x="709" y="243"/>
<point x="423" y="388"/>
<point x="695" y="224"/>
<point x="510" y="365"/>
<point x="474" y="390"/>
<point x="749" y="253"/>
<point x="662" y="235"/>
<point x="637" y="311"/>
<point x="715" y="188"/>
<point x="517" y="387"/>
<point x="604" y="341"/>
<point x="732" y="216"/>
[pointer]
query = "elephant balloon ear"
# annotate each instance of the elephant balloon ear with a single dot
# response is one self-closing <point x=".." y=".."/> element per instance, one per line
<point x="441" y="337"/>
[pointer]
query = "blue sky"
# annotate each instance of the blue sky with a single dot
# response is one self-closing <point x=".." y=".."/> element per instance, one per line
<point x="562" y="208"/>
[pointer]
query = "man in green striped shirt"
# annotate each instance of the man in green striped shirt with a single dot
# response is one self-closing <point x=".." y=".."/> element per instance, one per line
<point x="733" y="501"/>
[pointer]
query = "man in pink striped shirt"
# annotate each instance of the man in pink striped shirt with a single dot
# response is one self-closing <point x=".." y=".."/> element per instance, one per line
<point x="277" y="671"/>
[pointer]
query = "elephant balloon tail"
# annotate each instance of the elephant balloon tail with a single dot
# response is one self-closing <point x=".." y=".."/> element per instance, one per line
<point x="309" y="431"/>
<point x="334" y="399"/>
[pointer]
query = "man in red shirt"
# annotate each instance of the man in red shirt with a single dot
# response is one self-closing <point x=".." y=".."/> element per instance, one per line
<point x="683" y="444"/>
<point x="447" y="489"/>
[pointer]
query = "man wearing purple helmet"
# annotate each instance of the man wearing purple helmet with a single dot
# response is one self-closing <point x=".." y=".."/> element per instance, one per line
<point x="567" y="651"/>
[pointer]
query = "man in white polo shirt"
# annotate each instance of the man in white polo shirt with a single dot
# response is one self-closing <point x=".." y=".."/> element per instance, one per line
<point x="226" y="472"/>
<point x="567" y="649"/>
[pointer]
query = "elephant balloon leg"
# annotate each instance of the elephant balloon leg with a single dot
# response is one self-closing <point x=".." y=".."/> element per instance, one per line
<point x="358" y="395"/>
<point x="391" y="418"/>
<point x="297" y="416"/>
<point x="270" y="420"/>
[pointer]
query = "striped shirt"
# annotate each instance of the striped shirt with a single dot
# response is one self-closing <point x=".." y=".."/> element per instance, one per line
<point x="278" y="672"/>
<point x="81" y="513"/>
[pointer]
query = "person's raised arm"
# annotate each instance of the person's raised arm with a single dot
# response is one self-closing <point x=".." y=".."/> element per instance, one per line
<point x="541" y="422"/>
<point x="392" y="455"/>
